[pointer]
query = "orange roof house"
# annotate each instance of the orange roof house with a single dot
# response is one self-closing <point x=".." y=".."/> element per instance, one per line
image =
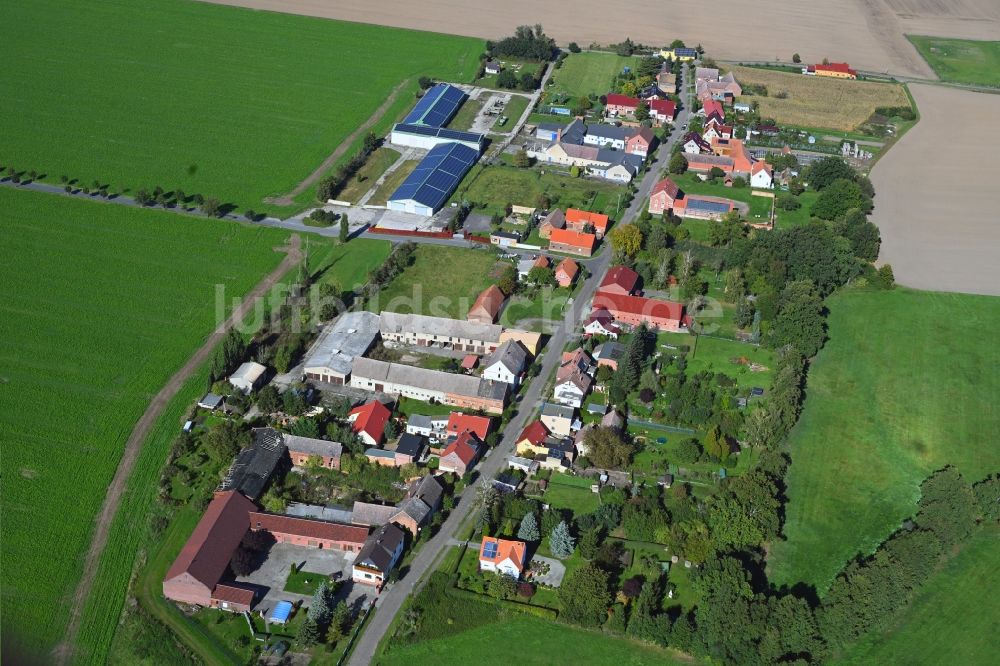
<point x="487" y="305"/>
<point x="577" y="220"/>
<point x="459" y="423"/>
<point x="566" y="272"/>
<point x="504" y="556"/>
<point x="369" y="421"/>
<point x="572" y="242"/>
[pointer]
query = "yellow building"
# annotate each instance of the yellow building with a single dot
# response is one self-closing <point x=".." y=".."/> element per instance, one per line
<point x="683" y="54"/>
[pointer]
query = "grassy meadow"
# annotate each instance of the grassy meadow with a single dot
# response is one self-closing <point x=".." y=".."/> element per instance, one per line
<point x="961" y="60"/>
<point x="442" y="281"/>
<point x="100" y="305"/>
<point x="817" y="101"/>
<point x="588" y="73"/>
<point x="538" y="641"/>
<point x="957" y="604"/>
<point x="497" y="186"/>
<point x="906" y="384"/>
<point x="227" y="102"/>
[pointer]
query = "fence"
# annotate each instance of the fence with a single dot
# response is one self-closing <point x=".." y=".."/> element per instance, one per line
<point x="412" y="233"/>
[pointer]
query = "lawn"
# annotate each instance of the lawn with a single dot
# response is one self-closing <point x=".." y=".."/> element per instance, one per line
<point x="906" y="384"/>
<point x="346" y="265"/>
<point x="467" y="114"/>
<point x="584" y="74"/>
<point x="541" y="312"/>
<point x="100" y="305"/>
<point x="391" y="182"/>
<point x="961" y="60"/>
<point x="442" y="281"/>
<point x="572" y="492"/>
<point x="513" y="112"/>
<point x="729" y="357"/>
<point x="231" y="103"/>
<point x="496" y="186"/>
<point x="537" y="641"/>
<point x="952" y="620"/>
<point x="408" y="407"/>
<point x="818" y="101"/>
<point x="690" y="183"/>
<point x="304" y="582"/>
<point x="357" y="186"/>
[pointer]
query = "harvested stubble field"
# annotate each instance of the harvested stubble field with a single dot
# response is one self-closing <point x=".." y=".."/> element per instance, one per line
<point x="816" y="101"/>
<point x="100" y="304"/>
<point x="230" y="103"/>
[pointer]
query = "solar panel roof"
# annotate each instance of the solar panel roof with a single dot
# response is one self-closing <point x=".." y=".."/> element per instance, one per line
<point x="437" y="106"/>
<point x="489" y="550"/>
<point x="710" y="206"/>
<point x="437" y="175"/>
<point x="442" y="132"/>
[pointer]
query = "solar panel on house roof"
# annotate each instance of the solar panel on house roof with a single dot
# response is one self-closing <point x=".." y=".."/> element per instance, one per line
<point x="437" y="175"/>
<point x="437" y="106"/>
<point x="708" y="206"/>
<point x="490" y="550"/>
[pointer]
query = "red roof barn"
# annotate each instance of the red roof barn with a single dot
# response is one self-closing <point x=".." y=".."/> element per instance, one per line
<point x="620" y="280"/>
<point x="635" y="310"/>
<point x="487" y="305"/>
<point x="369" y="420"/>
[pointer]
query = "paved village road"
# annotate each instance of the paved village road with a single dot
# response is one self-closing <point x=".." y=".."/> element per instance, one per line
<point x="391" y="600"/>
<point x="133" y="445"/>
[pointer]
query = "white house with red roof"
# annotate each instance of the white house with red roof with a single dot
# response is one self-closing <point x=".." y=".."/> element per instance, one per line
<point x="761" y="175"/>
<point x="369" y="421"/>
<point x="504" y="556"/>
<point x="601" y="322"/>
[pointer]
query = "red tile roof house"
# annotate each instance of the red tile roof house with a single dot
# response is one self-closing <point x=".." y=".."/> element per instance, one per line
<point x="620" y="105"/>
<point x="459" y="423"/>
<point x="635" y="310"/>
<point x="663" y="196"/>
<point x="310" y="533"/>
<point x="487" y="306"/>
<point x="662" y="111"/>
<point x="369" y="420"/>
<point x="579" y="220"/>
<point x="714" y="109"/>
<point x="566" y="272"/>
<point x="461" y="455"/>
<point x="572" y="242"/>
<point x="620" y="280"/>
<point x="204" y="560"/>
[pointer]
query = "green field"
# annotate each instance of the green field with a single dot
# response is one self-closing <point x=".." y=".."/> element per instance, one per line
<point x="536" y="641"/>
<point x="961" y="60"/>
<point x="442" y="281"/>
<point x="231" y="103"/>
<point x="497" y="186"/>
<point x="588" y="74"/>
<point x="953" y="619"/>
<point x="101" y="304"/>
<point x="906" y="384"/>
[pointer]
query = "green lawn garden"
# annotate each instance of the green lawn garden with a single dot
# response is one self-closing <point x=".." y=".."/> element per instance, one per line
<point x="535" y="641"/>
<point x="906" y="384"/>
<point x="961" y="60"/>
<point x="571" y="492"/>
<point x="953" y="618"/>
<point x="496" y="186"/>
<point x="101" y="304"/>
<point x="227" y="102"/>
<point x="442" y="281"/>
<point x="587" y="74"/>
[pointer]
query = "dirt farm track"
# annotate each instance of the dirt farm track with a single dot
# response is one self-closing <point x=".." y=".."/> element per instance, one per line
<point x="868" y="33"/>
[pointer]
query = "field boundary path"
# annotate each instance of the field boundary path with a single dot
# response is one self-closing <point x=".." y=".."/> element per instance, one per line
<point x="133" y="445"/>
<point x="392" y="598"/>
<point x="313" y="178"/>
